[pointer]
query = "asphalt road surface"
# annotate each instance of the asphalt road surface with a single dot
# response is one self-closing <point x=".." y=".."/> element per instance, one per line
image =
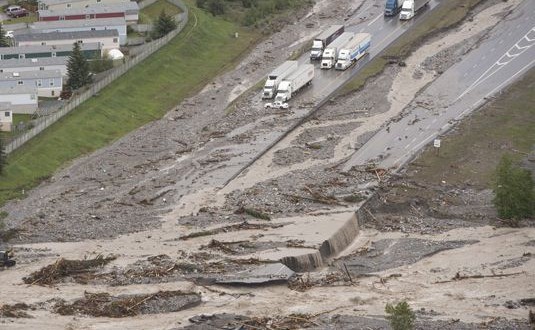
<point x="502" y="58"/>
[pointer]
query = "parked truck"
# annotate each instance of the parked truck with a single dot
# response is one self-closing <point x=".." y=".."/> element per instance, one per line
<point x="411" y="7"/>
<point x="330" y="54"/>
<point x="353" y="50"/>
<point x="276" y="76"/>
<point x="392" y="7"/>
<point x="324" y="39"/>
<point x="298" y="79"/>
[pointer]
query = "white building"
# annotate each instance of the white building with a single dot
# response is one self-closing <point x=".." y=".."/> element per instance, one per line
<point x="118" y="24"/>
<point x="108" y="39"/>
<point x="35" y="64"/>
<point x="6" y="117"/>
<point x="65" y="4"/>
<point x="21" y="99"/>
<point x="49" y="83"/>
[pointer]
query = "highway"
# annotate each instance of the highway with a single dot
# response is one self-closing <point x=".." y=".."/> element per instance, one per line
<point x="501" y="58"/>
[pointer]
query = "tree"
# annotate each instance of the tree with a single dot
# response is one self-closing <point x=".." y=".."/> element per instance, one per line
<point x="4" y="42"/>
<point x="164" y="25"/>
<point x="77" y="68"/>
<point x="3" y="160"/>
<point x="216" y="7"/>
<point x="514" y="194"/>
<point x="401" y="316"/>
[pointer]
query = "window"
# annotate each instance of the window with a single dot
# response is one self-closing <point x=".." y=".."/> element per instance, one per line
<point x="22" y="56"/>
<point x="87" y="16"/>
<point x="98" y="1"/>
<point x="62" y="18"/>
<point x="1" y="70"/>
<point x="114" y="40"/>
<point x="20" y="82"/>
<point x="53" y="54"/>
<point x="39" y="83"/>
<point x="68" y="5"/>
<point x="43" y="43"/>
<point x="42" y="68"/>
<point x="80" y="41"/>
<point x="7" y="114"/>
<point x="93" y="29"/>
<point x="51" y="82"/>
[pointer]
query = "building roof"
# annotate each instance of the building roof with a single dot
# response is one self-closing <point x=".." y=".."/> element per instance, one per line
<point x="97" y="8"/>
<point x="38" y="74"/>
<point x="74" y="35"/>
<point x="19" y="89"/>
<point x="45" y="48"/>
<point x="30" y="62"/>
<point x="56" y="2"/>
<point x="96" y="22"/>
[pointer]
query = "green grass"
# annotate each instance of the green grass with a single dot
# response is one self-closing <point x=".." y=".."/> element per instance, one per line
<point x="472" y="152"/>
<point x="142" y="95"/>
<point x="26" y="19"/>
<point x="151" y="13"/>
<point x="447" y="15"/>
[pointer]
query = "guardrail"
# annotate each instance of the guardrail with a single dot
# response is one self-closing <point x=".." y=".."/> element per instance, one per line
<point x="43" y="122"/>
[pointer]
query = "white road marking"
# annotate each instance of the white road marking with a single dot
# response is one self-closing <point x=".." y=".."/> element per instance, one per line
<point x="375" y="19"/>
<point x="500" y="63"/>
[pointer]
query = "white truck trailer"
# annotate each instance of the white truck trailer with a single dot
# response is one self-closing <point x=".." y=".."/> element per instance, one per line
<point x="353" y="50"/>
<point x="276" y="76"/>
<point x="330" y="54"/>
<point x="298" y="79"/>
<point x="324" y="39"/>
<point x="410" y="8"/>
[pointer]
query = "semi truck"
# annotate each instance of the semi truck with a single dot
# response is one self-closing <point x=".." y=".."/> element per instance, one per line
<point x="392" y="7"/>
<point x="324" y="39"/>
<point x="298" y="79"/>
<point x="330" y="55"/>
<point x="411" y="7"/>
<point x="353" y="50"/>
<point x="276" y="76"/>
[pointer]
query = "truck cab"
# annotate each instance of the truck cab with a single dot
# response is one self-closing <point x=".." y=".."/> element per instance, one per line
<point x="344" y="59"/>
<point x="317" y="50"/>
<point x="392" y="7"/>
<point x="284" y="92"/>
<point x="328" y="58"/>
<point x="269" y="89"/>
<point x="407" y="10"/>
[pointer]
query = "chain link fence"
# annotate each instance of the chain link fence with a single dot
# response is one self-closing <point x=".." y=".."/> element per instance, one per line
<point x="42" y="123"/>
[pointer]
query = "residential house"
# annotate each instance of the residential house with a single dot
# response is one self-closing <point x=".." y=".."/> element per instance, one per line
<point x="66" y="4"/>
<point x="6" y="117"/>
<point x="108" y="39"/>
<point x="49" y="83"/>
<point x="35" y="64"/>
<point x="22" y="99"/>
<point x="127" y="10"/>
<point x="96" y="24"/>
<point x="89" y="50"/>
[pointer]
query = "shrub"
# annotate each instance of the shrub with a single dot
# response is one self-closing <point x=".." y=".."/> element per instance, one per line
<point x="400" y="316"/>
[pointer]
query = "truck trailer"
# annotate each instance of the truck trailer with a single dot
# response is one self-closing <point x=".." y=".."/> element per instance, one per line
<point x="298" y="79"/>
<point x="411" y="7"/>
<point x="330" y="55"/>
<point x="392" y="7"/>
<point x="353" y="50"/>
<point x="276" y="76"/>
<point x="324" y="39"/>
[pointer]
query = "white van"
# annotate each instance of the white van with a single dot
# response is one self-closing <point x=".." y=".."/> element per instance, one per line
<point x="11" y="9"/>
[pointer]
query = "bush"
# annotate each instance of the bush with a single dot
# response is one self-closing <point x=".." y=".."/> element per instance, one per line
<point x="514" y="194"/>
<point x="2" y="156"/>
<point x="400" y="316"/>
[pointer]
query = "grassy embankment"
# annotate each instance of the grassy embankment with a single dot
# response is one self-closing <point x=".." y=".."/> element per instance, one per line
<point x="447" y="15"/>
<point x="205" y="48"/>
<point x="471" y="153"/>
<point x="151" y="13"/>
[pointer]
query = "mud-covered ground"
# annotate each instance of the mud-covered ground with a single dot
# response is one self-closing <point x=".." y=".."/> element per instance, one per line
<point x="436" y="245"/>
